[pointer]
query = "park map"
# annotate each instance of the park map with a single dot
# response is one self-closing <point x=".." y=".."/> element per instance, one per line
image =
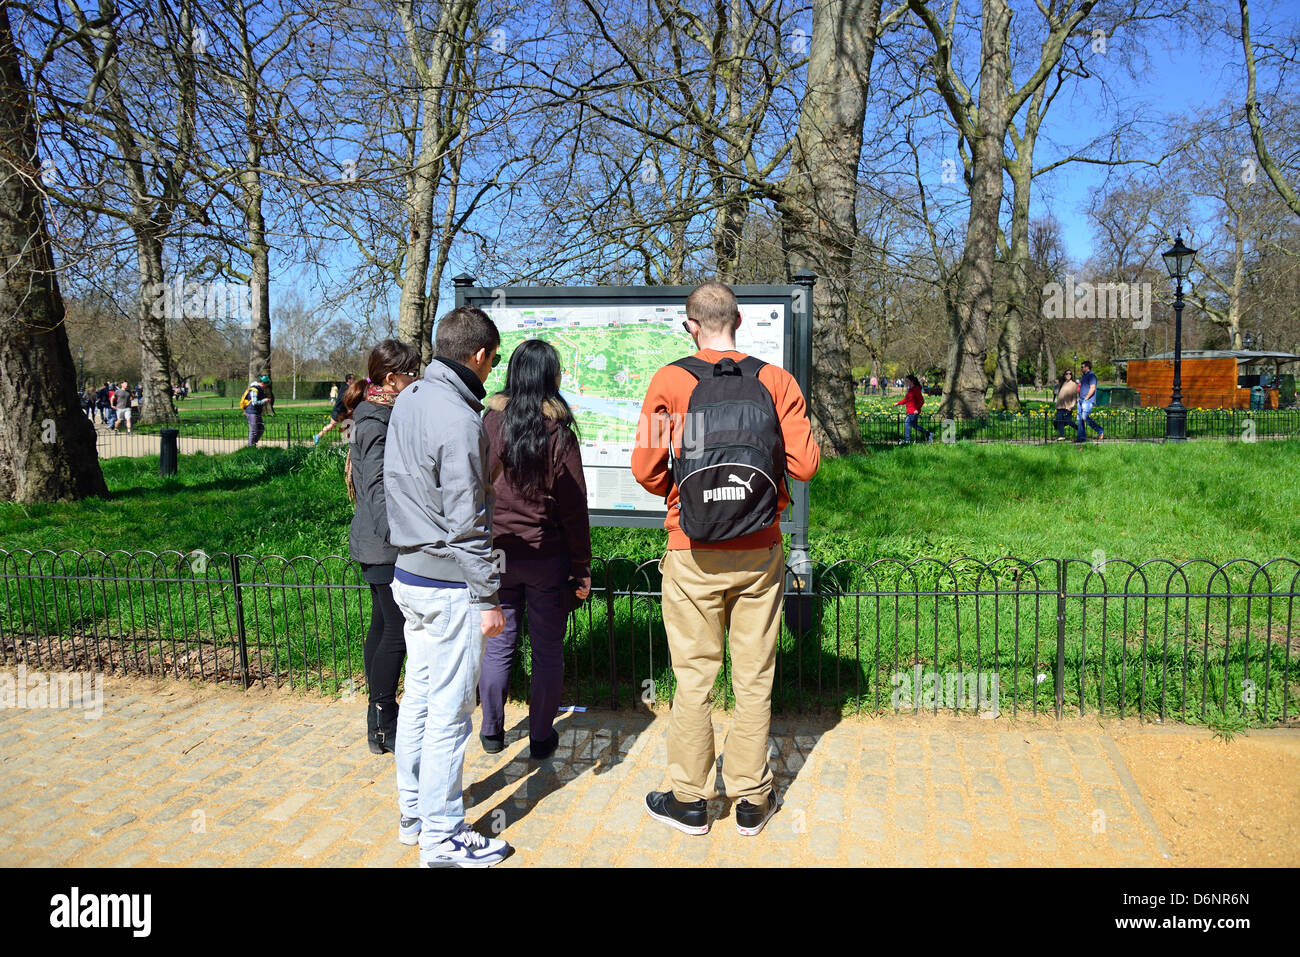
<point x="608" y="354"/>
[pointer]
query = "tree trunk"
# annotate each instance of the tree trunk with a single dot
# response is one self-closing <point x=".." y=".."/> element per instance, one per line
<point x="968" y="320"/>
<point x="430" y="315"/>
<point x="259" y="340"/>
<point x="818" y="203"/>
<point x="156" y="406"/>
<point x="259" y="280"/>
<point x="1006" y="374"/>
<point x="411" y="310"/>
<point x="47" y="445"/>
<point x="435" y="138"/>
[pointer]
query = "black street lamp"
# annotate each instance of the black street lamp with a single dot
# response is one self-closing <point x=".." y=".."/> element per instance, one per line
<point x="1178" y="261"/>
<point x="81" y="367"/>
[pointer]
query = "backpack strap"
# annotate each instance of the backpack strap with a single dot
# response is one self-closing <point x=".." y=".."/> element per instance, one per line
<point x="696" y="367"/>
<point x="750" y="366"/>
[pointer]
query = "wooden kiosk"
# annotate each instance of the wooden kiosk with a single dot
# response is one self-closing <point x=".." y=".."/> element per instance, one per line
<point x="1212" y="379"/>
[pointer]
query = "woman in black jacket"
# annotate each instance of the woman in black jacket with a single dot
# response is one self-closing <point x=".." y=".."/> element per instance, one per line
<point x="368" y="403"/>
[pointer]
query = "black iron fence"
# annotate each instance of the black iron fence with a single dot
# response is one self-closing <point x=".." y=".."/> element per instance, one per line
<point x="1188" y="641"/>
<point x="1039" y="425"/>
<point x="216" y="434"/>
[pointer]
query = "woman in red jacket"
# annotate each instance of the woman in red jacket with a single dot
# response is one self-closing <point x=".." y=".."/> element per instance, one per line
<point x="540" y="528"/>
<point x="912" y="402"/>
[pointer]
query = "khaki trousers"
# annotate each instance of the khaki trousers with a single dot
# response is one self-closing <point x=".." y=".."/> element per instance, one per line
<point x="709" y="594"/>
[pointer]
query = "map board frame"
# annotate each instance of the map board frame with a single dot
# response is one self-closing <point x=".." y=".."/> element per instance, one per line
<point x="795" y="298"/>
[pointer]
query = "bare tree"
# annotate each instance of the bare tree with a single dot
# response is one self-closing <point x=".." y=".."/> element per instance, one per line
<point x="123" y="91"/>
<point x="982" y="129"/>
<point x="47" y="447"/>
<point x="818" y="200"/>
<point x="1276" y="176"/>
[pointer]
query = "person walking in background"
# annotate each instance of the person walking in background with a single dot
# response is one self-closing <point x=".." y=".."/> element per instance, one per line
<point x="540" y="529"/>
<point x="393" y="366"/>
<point x="439" y="500"/>
<point x="1067" y="395"/>
<point x="338" y="415"/>
<point x="88" y="403"/>
<point x="726" y="590"/>
<point x="110" y="393"/>
<point x="102" y="403"/>
<point x="122" y="403"/>
<point x="912" y="403"/>
<point x="257" y="398"/>
<point x="1087" y="400"/>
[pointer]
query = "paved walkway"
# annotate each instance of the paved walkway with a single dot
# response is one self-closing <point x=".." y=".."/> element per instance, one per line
<point x="179" y="774"/>
<point x="121" y="444"/>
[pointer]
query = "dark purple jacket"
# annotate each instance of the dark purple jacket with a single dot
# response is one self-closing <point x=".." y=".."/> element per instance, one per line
<point x="554" y="524"/>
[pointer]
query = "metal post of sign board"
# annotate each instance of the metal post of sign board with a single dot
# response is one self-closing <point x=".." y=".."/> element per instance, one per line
<point x="803" y="317"/>
<point x="793" y="300"/>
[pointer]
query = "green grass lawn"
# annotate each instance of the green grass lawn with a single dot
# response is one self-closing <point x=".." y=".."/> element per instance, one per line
<point x="1130" y="502"/>
<point x="1215" y="500"/>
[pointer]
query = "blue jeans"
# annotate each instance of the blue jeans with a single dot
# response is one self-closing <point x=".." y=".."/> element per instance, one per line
<point x="1085" y="407"/>
<point x="913" y="420"/>
<point x="444" y="646"/>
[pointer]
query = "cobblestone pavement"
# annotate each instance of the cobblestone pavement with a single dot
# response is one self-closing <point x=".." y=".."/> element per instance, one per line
<point x="181" y="774"/>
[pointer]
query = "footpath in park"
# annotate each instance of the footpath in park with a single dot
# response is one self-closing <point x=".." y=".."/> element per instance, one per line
<point x="179" y="774"/>
<point x="122" y="444"/>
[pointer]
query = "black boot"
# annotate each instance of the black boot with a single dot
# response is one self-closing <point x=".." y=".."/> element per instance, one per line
<point x="372" y="729"/>
<point x="385" y="729"/>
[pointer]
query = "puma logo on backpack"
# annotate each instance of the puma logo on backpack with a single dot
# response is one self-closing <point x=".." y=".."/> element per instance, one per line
<point x="729" y="479"/>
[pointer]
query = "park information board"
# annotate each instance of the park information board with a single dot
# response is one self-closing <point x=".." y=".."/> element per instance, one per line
<point x="611" y="340"/>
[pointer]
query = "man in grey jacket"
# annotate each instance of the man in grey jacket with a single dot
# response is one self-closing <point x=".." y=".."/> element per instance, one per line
<point x="439" y="503"/>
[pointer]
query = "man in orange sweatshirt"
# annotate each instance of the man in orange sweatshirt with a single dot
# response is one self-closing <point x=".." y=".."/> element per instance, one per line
<point x="730" y="588"/>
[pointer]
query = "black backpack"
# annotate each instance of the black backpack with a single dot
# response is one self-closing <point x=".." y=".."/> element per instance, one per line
<point x="732" y="467"/>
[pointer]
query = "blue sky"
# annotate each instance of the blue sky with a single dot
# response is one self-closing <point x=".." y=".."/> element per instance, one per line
<point x="1180" y="75"/>
<point x="1184" y="77"/>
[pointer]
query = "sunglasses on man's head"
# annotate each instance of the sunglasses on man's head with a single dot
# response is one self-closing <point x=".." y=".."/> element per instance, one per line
<point x="496" y="360"/>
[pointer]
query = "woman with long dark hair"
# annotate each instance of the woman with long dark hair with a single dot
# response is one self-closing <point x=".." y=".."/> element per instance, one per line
<point x="912" y="402"/>
<point x="540" y="525"/>
<point x="368" y="403"/>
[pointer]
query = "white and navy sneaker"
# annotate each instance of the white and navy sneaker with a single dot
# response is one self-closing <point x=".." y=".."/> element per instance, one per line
<point x="467" y="848"/>
<point x="408" y="831"/>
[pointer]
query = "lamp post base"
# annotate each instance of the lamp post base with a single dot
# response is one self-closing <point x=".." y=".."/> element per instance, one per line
<point x="1176" y="422"/>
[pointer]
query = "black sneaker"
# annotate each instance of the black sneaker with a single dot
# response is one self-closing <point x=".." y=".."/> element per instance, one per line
<point x="493" y="743"/>
<point x="691" y="818"/>
<point x="750" y="818"/>
<point x="540" y="751"/>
